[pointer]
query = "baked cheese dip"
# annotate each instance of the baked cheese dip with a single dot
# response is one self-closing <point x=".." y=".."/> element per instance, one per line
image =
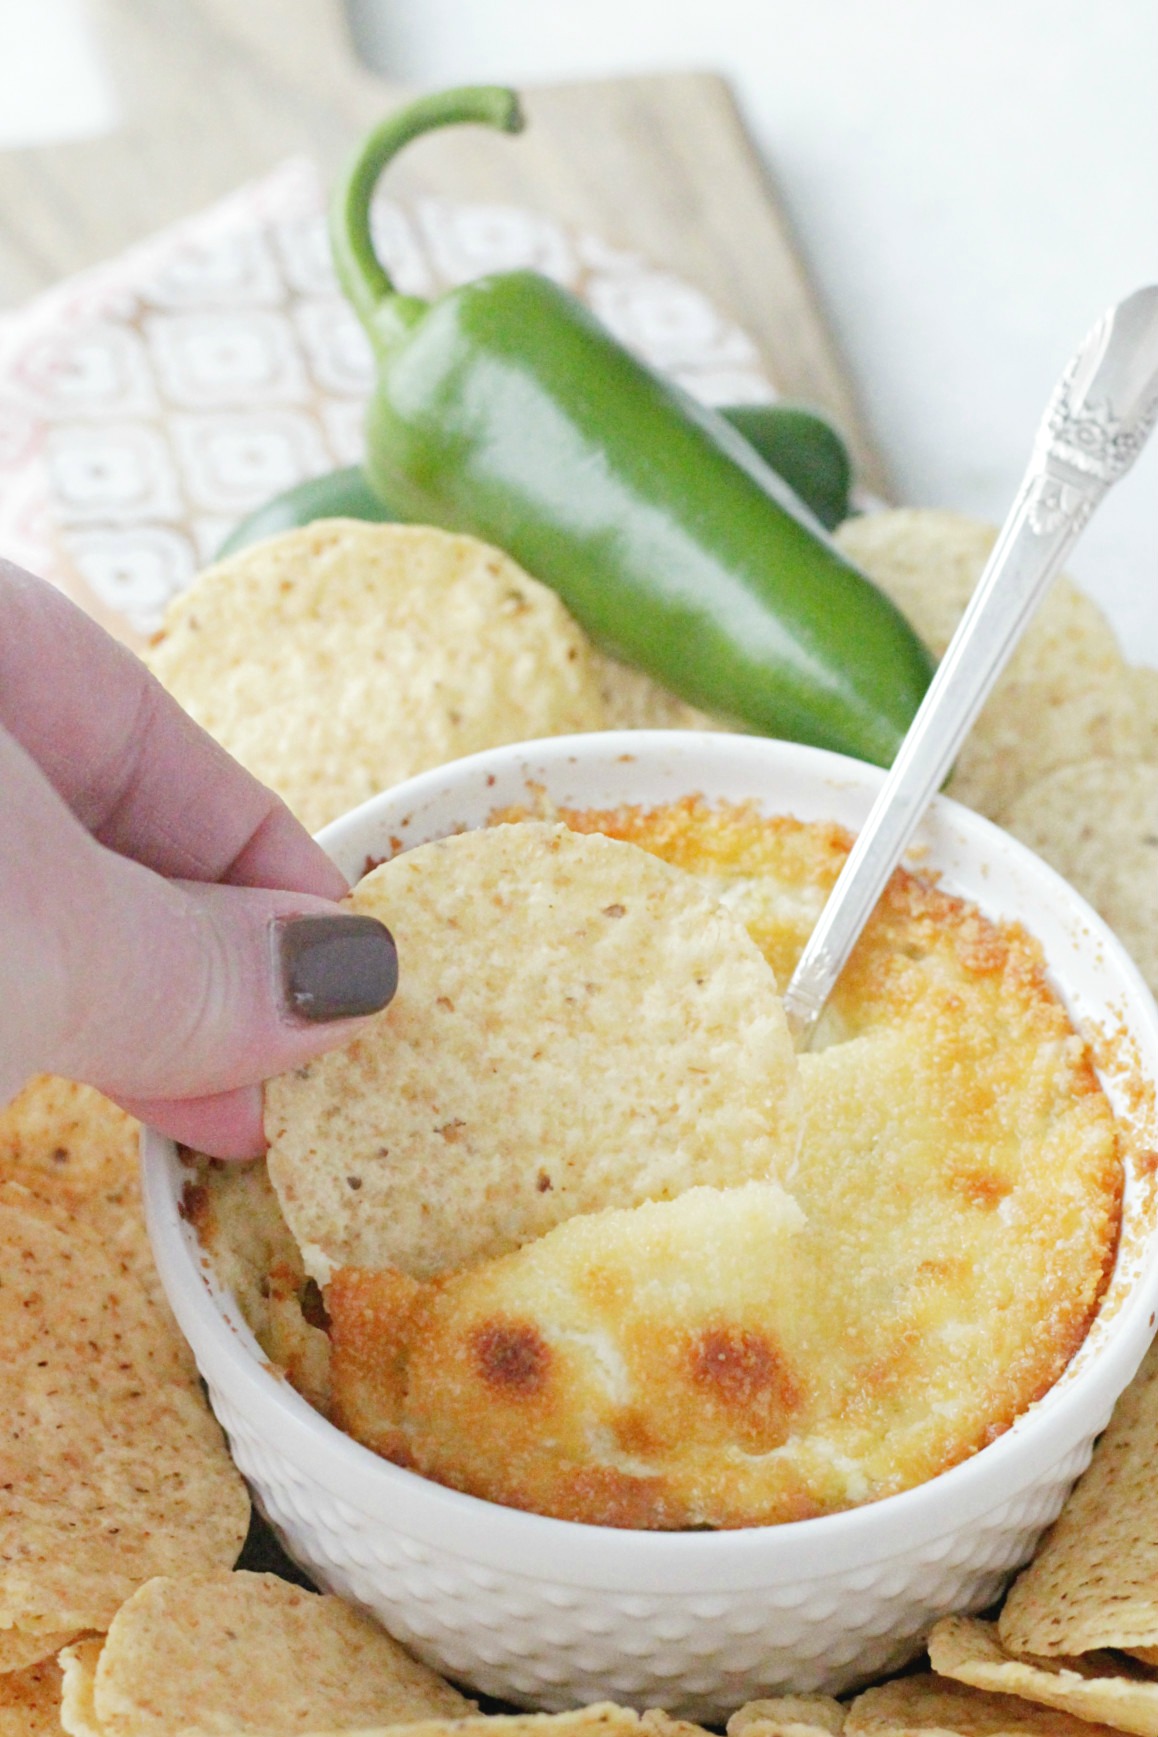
<point x="601" y="1247"/>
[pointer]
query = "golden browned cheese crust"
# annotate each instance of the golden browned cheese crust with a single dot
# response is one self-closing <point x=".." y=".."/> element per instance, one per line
<point x="738" y="1357"/>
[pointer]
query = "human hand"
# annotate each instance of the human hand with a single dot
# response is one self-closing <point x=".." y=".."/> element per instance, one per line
<point x="159" y="908"/>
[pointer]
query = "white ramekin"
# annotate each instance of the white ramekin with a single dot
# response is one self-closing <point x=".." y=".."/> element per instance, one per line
<point x="552" y="1614"/>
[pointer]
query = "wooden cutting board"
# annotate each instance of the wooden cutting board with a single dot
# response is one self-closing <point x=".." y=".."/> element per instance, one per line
<point x="212" y="93"/>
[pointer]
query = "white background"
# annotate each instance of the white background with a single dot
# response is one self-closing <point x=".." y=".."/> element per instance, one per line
<point x="970" y="184"/>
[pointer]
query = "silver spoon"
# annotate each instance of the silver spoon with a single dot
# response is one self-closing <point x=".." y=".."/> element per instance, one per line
<point x="1095" y="425"/>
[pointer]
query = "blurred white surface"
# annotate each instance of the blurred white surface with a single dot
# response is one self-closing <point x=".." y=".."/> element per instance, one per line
<point x="970" y="187"/>
<point x="53" y="83"/>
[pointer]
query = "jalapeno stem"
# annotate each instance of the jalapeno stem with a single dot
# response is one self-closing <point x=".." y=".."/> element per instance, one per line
<point x="360" y="271"/>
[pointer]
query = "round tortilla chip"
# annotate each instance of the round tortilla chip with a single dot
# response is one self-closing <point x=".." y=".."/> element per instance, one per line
<point x="1092" y="1583"/>
<point x="930" y="1706"/>
<point x="78" y="1665"/>
<point x="1097" y="824"/>
<point x="242" y="1652"/>
<point x="115" y="1468"/>
<point x="789" y="1716"/>
<point x="929" y="561"/>
<point x="341" y="658"/>
<point x="1030" y="728"/>
<point x="578" y="1026"/>
<point x="68" y="1135"/>
<point x="1097" y="1686"/>
<point x="76" y="1149"/>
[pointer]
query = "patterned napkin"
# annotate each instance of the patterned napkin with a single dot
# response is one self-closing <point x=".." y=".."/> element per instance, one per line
<point x="148" y="405"/>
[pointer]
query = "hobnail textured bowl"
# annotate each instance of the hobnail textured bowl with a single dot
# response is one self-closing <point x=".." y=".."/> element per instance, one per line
<point x="554" y="1615"/>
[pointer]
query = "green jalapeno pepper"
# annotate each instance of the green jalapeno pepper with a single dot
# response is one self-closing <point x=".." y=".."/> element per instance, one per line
<point x="805" y="449"/>
<point x="506" y="410"/>
<point x="339" y="494"/>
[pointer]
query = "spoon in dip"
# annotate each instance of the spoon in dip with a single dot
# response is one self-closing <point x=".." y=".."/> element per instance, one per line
<point x="1097" y="421"/>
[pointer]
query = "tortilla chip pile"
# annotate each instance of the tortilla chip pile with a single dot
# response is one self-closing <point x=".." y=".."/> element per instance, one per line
<point x="338" y="659"/>
<point x="120" y="1512"/>
<point x="248" y="1655"/>
<point x="1065" y="753"/>
<point x="114" y="1468"/>
<point x="244" y="1652"/>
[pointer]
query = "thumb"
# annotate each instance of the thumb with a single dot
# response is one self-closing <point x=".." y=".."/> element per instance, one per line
<point x="196" y="988"/>
<point x="153" y="989"/>
<point x="228" y="986"/>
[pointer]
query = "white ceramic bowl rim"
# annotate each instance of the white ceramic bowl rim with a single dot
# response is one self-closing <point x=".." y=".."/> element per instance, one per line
<point x="606" y="1557"/>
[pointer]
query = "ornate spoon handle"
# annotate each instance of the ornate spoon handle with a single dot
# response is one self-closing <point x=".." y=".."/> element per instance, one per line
<point x="1094" y="427"/>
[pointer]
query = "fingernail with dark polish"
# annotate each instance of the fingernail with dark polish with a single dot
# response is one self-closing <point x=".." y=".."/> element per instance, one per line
<point x="336" y="967"/>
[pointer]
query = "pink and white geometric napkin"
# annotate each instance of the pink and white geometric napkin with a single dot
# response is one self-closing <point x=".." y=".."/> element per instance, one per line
<point x="148" y="405"/>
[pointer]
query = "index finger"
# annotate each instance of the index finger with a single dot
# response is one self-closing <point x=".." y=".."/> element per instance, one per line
<point x="136" y="770"/>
